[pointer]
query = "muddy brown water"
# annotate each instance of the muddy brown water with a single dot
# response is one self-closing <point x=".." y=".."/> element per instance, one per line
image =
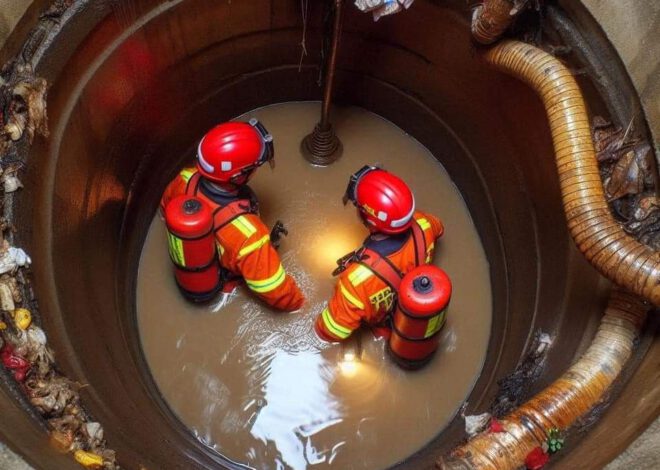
<point x="257" y="385"/>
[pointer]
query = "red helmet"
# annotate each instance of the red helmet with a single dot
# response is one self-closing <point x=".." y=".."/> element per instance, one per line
<point x="384" y="201"/>
<point x="230" y="152"/>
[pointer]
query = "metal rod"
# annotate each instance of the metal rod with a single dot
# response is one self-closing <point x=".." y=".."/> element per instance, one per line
<point x="331" y="66"/>
<point x="322" y="146"/>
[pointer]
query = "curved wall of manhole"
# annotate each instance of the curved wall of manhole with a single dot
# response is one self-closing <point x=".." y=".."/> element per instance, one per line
<point x="134" y="85"/>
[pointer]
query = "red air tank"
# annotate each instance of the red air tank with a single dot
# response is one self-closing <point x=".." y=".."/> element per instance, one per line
<point x="192" y="247"/>
<point x="423" y="298"/>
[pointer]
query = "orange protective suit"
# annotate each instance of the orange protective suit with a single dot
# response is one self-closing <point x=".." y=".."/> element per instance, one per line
<point x="245" y="249"/>
<point x="362" y="297"/>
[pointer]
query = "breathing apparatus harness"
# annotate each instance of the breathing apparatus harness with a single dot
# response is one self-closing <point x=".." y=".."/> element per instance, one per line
<point x="246" y="201"/>
<point x="379" y="264"/>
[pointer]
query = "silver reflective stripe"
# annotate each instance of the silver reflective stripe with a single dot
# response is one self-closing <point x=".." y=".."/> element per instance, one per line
<point x="403" y="221"/>
<point x="206" y="165"/>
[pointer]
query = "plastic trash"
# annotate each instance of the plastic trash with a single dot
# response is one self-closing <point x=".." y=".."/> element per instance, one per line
<point x="380" y="8"/>
<point x="474" y="424"/>
<point x="12" y="259"/>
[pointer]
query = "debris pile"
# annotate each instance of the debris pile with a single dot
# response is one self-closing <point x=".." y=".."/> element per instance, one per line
<point x="23" y="107"/>
<point x="627" y="168"/>
<point x="380" y="8"/>
<point x="25" y="354"/>
<point x="24" y="351"/>
<point x="475" y="424"/>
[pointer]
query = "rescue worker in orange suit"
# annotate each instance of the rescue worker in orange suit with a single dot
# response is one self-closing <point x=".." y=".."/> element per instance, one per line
<point x="401" y="238"/>
<point x="227" y="156"/>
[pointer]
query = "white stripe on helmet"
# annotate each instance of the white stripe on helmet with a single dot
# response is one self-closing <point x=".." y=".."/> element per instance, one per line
<point x="200" y="157"/>
<point x="404" y="220"/>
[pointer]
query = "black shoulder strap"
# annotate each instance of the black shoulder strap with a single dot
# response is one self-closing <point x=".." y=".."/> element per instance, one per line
<point x="382" y="267"/>
<point x="223" y="215"/>
<point x="379" y="264"/>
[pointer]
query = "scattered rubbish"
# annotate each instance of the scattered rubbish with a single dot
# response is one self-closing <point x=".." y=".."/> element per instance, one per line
<point x="6" y="299"/>
<point x="627" y="167"/>
<point x="12" y="258"/>
<point x="277" y="232"/>
<point x="22" y="318"/>
<point x="496" y="426"/>
<point x="380" y="8"/>
<point x="10" y="182"/>
<point x="474" y="424"/>
<point x="515" y="388"/>
<point x="14" y="362"/>
<point x="555" y="441"/>
<point x="24" y="352"/>
<point x="23" y="100"/>
<point x="536" y="459"/>
<point x="61" y="440"/>
<point x="644" y="224"/>
<point x="88" y="459"/>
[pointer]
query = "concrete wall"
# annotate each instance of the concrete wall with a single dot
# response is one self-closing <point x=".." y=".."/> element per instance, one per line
<point x="633" y="27"/>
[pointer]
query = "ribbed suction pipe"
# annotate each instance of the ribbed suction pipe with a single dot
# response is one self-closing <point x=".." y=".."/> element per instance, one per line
<point x="615" y="254"/>
<point x="601" y="239"/>
<point x="490" y="19"/>
<point x="563" y="402"/>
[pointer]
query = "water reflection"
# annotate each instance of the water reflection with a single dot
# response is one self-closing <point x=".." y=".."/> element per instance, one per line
<point x="295" y="401"/>
<point x="296" y="391"/>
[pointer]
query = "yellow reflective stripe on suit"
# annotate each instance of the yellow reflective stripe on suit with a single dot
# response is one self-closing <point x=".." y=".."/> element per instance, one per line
<point x="254" y="246"/>
<point x="187" y="174"/>
<point x="244" y="225"/>
<point x="266" y="285"/>
<point x="333" y="327"/>
<point x="175" y="246"/>
<point x="435" y="323"/>
<point x="221" y="249"/>
<point x="350" y="297"/>
<point x="361" y="274"/>
<point x="424" y="223"/>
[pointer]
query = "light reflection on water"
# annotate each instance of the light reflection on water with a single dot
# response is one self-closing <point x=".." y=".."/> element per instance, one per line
<point x="294" y="402"/>
<point x="296" y="391"/>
